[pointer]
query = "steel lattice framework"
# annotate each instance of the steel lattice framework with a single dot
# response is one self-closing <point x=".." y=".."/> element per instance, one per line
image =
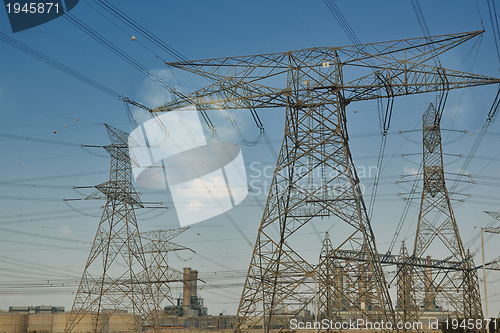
<point x="156" y="246"/>
<point x="457" y="289"/>
<point x="115" y="275"/>
<point x="331" y="283"/>
<point x="496" y="216"/>
<point x="314" y="86"/>
<point x="406" y="303"/>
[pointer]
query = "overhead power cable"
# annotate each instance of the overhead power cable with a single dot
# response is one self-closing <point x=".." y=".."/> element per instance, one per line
<point x="65" y="69"/>
<point x="54" y="142"/>
<point x="56" y="64"/>
<point x="25" y="233"/>
<point x="136" y="26"/>
<point x="179" y="57"/>
<point x="494" y="25"/>
<point x="490" y="119"/>
<point x="384" y="115"/>
<point x="425" y="29"/>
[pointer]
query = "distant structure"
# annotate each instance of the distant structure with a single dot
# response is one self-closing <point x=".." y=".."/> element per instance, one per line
<point x="190" y="305"/>
<point x="156" y="245"/>
<point x="458" y="289"/>
<point x="37" y="309"/>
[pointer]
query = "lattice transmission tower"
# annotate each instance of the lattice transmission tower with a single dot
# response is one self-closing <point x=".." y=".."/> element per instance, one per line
<point x="315" y="175"/>
<point x="156" y="245"/>
<point x="456" y="289"/>
<point x="496" y="216"/>
<point x="115" y="279"/>
<point x="406" y="305"/>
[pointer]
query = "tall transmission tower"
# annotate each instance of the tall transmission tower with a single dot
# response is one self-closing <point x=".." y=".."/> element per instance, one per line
<point x="115" y="279"/>
<point x="496" y="216"/>
<point x="156" y="246"/>
<point x="331" y="283"/>
<point x="315" y="175"/>
<point x="458" y="289"/>
<point x="406" y="304"/>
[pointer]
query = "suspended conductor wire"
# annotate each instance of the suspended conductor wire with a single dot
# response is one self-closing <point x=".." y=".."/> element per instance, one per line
<point x="226" y="214"/>
<point x="113" y="48"/>
<point x="25" y="233"/>
<point x="65" y="69"/>
<point x="347" y="28"/>
<point x="463" y="90"/>
<point x="490" y="119"/>
<point x="26" y="138"/>
<point x="494" y="25"/>
<point x="120" y="28"/>
<point x="384" y="118"/>
<point x="405" y="210"/>
<point x="79" y="210"/>
<point x="425" y="29"/>
<point x="133" y="24"/>
<point x="42" y="57"/>
<point x="178" y="56"/>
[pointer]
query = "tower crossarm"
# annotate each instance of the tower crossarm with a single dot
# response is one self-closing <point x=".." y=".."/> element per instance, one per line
<point x="492" y="265"/>
<point x="407" y="78"/>
<point x="257" y="67"/>
<point x="403" y="77"/>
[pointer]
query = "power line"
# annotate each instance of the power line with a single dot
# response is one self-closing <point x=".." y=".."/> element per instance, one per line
<point x="56" y="64"/>
<point x="494" y="25"/>
<point x="133" y="24"/>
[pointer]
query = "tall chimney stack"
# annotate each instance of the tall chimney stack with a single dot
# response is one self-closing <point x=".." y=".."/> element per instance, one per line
<point x="194" y="284"/>
<point x="186" y="292"/>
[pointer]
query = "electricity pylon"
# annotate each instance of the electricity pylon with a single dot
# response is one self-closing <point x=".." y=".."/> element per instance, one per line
<point x="157" y="245"/>
<point x="406" y="305"/>
<point x="459" y="290"/>
<point x="331" y="283"/>
<point x="315" y="175"/>
<point x="114" y="280"/>
<point x="496" y="216"/>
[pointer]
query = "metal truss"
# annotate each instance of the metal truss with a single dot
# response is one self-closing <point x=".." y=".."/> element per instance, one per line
<point x="406" y="304"/>
<point x="115" y="278"/>
<point x="315" y="175"/>
<point x="496" y="216"/>
<point x="156" y="245"/>
<point x="457" y="290"/>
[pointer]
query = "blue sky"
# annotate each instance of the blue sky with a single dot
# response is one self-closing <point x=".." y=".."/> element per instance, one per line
<point x="39" y="102"/>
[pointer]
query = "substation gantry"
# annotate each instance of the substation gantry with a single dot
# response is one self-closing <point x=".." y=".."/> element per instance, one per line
<point x="315" y="86"/>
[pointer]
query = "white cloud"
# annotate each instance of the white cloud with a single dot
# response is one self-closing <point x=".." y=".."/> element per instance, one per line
<point x="153" y="93"/>
<point x="65" y="230"/>
<point x="211" y="189"/>
<point x="410" y="171"/>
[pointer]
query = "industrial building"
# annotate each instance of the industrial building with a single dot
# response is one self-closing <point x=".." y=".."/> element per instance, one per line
<point x="189" y="312"/>
<point x="48" y="322"/>
<point x="37" y="309"/>
<point x="190" y="305"/>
